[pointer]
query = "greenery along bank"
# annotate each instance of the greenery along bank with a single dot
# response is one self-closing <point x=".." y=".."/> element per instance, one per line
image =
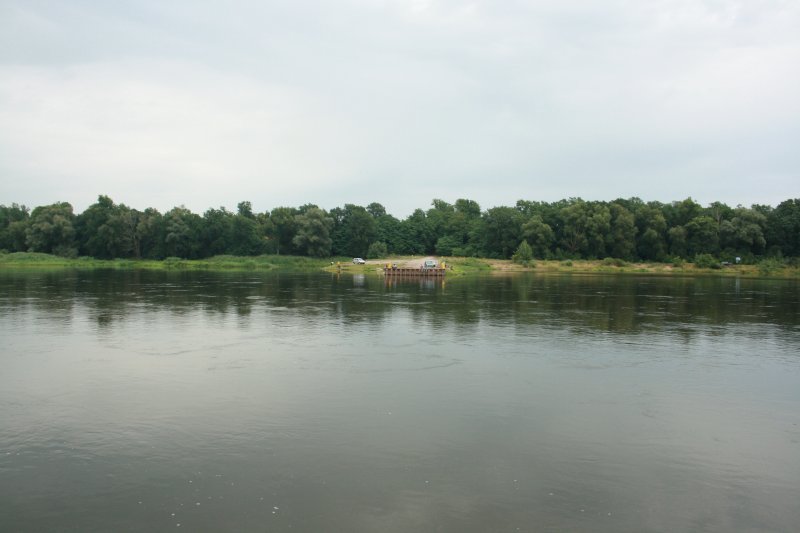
<point x="627" y="229"/>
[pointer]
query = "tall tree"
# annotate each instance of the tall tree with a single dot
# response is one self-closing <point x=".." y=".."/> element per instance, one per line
<point x="743" y="234"/>
<point x="182" y="233"/>
<point x="52" y="230"/>
<point x="283" y="228"/>
<point x="539" y="235"/>
<point x="150" y="229"/>
<point x="586" y="228"/>
<point x="680" y="213"/>
<point x="783" y="226"/>
<point x="216" y="232"/>
<point x="502" y="231"/>
<point x="13" y="223"/>
<point x="246" y="238"/>
<point x="652" y="228"/>
<point x="417" y="233"/>
<point x="376" y="210"/>
<point x="702" y="236"/>
<point x="389" y="231"/>
<point x="623" y="232"/>
<point x="678" y="243"/>
<point x="355" y="231"/>
<point x="106" y="230"/>
<point x="314" y="233"/>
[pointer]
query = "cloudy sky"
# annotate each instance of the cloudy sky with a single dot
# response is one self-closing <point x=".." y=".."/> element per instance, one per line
<point x="160" y="103"/>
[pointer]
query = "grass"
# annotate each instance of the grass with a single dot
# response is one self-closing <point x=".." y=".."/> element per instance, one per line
<point x="220" y="262"/>
<point x="764" y="269"/>
<point x="458" y="266"/>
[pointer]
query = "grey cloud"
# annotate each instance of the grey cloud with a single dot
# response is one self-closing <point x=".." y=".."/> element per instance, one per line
<point x="332" y="102"/>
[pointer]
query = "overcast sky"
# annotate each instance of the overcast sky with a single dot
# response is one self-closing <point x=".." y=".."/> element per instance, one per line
<point x="161" y="103"/>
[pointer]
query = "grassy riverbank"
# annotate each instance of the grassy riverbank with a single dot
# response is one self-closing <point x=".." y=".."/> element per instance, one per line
<point x="455" y="265"/>
<point x="472" y="265"/>
<point x="220" y="262"/>
<point x="768" y="268"/>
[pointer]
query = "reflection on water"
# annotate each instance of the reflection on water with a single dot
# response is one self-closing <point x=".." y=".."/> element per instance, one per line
<point x="242" y="401"/>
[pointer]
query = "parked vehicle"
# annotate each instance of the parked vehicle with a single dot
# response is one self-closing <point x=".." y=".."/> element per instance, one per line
<point x="430" y="263"/>
<point x="359" y="261"/>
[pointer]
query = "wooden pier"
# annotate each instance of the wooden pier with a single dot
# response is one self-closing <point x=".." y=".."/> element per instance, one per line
<point x="437" y="272"/>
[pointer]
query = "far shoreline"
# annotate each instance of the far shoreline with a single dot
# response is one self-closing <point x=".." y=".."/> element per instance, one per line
<point x="456" y="266"/>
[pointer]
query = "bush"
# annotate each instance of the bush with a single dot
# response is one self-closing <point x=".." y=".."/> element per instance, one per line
<point x="524" y="254"/>
<point x="613" y="261"/>
<point x="706" y="261"/>
<point x="66" y="251"/>
<point x="377" y="250"/>
<point x="445" y="245"/>
<point x="769" y="266"/>
<point x="676" y="261"/>
<point x="174" y="262"/>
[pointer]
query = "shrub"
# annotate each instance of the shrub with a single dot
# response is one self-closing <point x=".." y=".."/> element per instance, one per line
<point x="64" y="250"/>
<point x="613" y="261"/>
<point x="676" y="261"/>
<point x="769" y="266"/>
<point x="174" y="262"/>
<point x="524" y="254"/>
<point x="377" y="250"/>
<point x="446" y="244"/>
<point x="706" y="261"/>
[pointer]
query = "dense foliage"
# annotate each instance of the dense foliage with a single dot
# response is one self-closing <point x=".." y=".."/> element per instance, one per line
<point x="628" y="229"/>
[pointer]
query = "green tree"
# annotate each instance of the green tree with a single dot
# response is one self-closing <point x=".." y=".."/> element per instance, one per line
<point x="418" y="234"/>
<point x="702" y="236"/>
<point x="464" y="228"/>
<point x="150" y="229"/>
<point x="502" y="231"/>
<point x="377" y="250"/>
<point x="354" y="232"/>
<point x="283" y="229"/>
<point x="743" y="234"/>
<point x="389" y="230"/>
<point x="468" y="208"/>
<point x="182" y="233"/>
<point x="783" y="229"/>
<point x="313" y="235"/>
<point x="439" y="218"/>
<point x="52" y="230"/>
<point x="446" y="244"/>
<point x="652" y="227"/>
<point x="623" y="232"/>
<point x="216" y="232"/>
<point x="106" y="230"/>
<point x="598" y="230"/>
<point x="246" y="238"/>
<point x="586" y="228"/>
<point x="540" y="234"/>
<point x="245" y="209"/>
<point x="680" y="213"/>
<point x="13" y="223"/>
<point x="719" y="212"/>
<point x="574" y="219"/>
<point x="87" y="226"/>
<point x="376" y="210"/>
<point x="524" y="253"/>
<point x="678" y="244"/>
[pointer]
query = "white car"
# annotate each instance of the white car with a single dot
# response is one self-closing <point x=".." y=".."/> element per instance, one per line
<point x="359" y="261"/>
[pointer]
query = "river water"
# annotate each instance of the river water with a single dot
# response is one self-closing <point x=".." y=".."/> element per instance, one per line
<point x="201" y="401"/>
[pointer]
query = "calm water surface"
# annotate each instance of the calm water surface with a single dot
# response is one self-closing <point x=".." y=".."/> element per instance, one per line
<point x="151" y="401"/>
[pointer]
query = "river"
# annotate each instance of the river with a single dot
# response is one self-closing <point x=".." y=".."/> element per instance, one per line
<point x="247" y="401"/>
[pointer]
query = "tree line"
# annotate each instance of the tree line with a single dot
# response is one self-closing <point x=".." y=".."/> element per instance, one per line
<point x="628" y="229"/>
